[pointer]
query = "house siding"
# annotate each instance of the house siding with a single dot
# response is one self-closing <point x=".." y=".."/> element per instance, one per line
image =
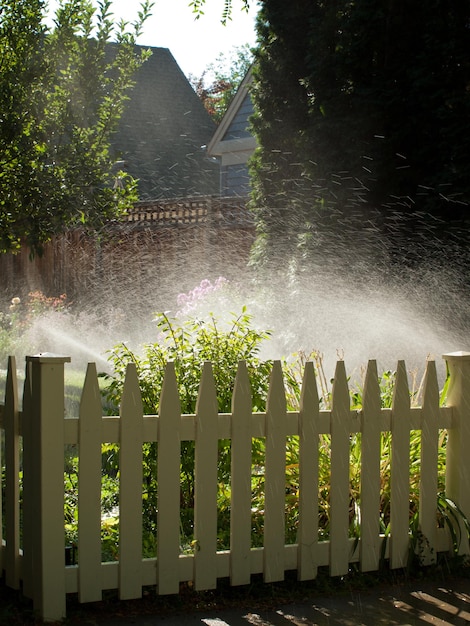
<point x="235" y="180"/>
<point x="239" y="128"/>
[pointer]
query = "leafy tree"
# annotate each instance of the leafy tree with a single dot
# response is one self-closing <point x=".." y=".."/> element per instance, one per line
<point x="62" y="92"/>
<point x="221" y="79"/>
<point x="362" y="107"/>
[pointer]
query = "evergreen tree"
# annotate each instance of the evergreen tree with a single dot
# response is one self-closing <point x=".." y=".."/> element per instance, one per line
<point x="363" y="109"/>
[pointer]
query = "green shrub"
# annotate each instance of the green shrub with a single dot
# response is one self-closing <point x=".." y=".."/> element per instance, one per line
<point x="188" y="345"/>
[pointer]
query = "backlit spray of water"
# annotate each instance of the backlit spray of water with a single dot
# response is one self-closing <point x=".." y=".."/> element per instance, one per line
<point x="356" y="313"/>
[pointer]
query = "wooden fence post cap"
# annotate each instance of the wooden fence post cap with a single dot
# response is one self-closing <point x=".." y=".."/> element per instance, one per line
<point x="48" y="357"/>
<point x="459" y="355"/>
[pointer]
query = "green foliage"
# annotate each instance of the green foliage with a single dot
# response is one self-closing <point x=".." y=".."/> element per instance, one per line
<point x="363" y="111"/>
<point x="221" y="79"/>
<point x="188" y="344"/>
<point x="62" y="92"/>
<point x="198" y="9"/>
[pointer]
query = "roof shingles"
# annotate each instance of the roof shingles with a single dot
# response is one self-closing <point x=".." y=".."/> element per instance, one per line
<point x="163" y="133"/>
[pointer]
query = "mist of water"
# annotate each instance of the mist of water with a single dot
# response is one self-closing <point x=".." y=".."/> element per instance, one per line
<point x="348" y="302"/>
<point x="352" y="316"/>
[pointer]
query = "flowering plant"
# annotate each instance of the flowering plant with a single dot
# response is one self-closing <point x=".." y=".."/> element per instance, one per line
<point x="18" y="317"/>
<point x="190" y="302"/>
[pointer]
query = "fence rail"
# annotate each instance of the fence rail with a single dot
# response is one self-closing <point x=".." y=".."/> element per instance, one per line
<point x="218" y="212"/>
<point x="32" y="552"/>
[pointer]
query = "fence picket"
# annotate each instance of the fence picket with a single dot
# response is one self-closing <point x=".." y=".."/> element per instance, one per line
<point x="339" y="488"/>
<point x="400" y="470"/>
<point x="130" y="488"/>
<point x="309" y="414"/>
<point x="429" y="467"/>
<point x="240" y="512"/>
<point x="370" y="471"/>
<point x="458" y="442"/>
<point x="89" y="489"/>
<point x="205" y="472"/>
<point x="12" y="476"/>
<point x="168" y="481"/>
<point x="28" y="487"/>
<point x="275" y="477"/>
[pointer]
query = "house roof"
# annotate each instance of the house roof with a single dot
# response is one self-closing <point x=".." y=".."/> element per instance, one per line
<point x="164" y="131"/>
<point x="229" y="137"/>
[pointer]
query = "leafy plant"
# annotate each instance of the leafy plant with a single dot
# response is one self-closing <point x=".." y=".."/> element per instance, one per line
<point x="188" y="344"/>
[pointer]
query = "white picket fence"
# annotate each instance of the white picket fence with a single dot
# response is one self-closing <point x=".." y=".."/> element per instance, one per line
<point x="32" y="550"/>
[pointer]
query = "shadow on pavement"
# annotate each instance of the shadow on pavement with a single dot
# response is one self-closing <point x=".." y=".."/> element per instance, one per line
<point x="401" y="605"/>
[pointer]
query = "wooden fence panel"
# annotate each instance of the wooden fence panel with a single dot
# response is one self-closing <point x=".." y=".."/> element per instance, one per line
<point x="275" y="478"/>
<point x="89" y="490"/>
<point x="12" y="479"/>
<point x="168" y="481"/>
<point x="240" y="512"/>
<point x="309" y="417"/>
<point x="130" y="488"/>
<point x="370" y="471"/>
<point x="339" y="489"/>
<point x="205" y="476"/>
<point x="42" y="565"/>
<point x="400" y="470"/>
<point x="429" y="467"/>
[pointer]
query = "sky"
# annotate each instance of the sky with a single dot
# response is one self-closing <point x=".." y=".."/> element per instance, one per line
<point x="193" y="43"/>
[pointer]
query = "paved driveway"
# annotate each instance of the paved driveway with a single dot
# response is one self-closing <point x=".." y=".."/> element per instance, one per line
<point x="394" y="605"/>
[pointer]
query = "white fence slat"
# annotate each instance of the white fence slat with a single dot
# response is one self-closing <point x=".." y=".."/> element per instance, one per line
<point x="168" y="481"/>
<point x="205" y="471"/>
<point x="28" y="487"/>
<point x="275" y="477"/>
<point x="307" y="564"/>
<point x="427" y="549"/>
<point x="11" y="563"/>
<point x="240" y="512"/>
<point x="400" y="470"/>
<point x="339" y="487"/>
<point x="89" y="489"/>
<point x="130" y="488"/>
<point x="458" y="441"/>
<point x="370" y="471"/>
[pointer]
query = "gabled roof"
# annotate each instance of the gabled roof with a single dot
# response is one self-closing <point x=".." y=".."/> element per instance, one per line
<point x="164" y="131"/>
<point x="223" y="141"/>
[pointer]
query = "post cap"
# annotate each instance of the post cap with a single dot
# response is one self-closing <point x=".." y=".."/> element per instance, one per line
<point x="48" y="357"/>
<point x="460" y="354"/>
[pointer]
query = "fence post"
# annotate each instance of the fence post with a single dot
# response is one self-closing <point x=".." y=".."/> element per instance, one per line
<point x="458" y="443"/>
<point x="46" y="484"/>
